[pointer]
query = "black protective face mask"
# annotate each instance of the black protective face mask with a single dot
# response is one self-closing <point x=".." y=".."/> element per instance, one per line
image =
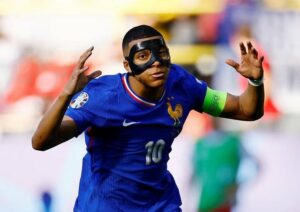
<point x="156" y="51"/>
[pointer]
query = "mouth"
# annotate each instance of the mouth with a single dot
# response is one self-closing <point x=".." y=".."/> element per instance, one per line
<point x="159" y="72"/>
<point x="158" y="75"/>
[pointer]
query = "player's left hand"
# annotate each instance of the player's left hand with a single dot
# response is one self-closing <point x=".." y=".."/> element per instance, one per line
<point x="251" y="65"/>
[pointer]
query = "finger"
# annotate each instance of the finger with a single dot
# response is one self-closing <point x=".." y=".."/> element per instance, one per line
<point x="86" y="52"/>
<point x="243" y="49"/>
<point x="89" y="49"/>
<point x="233" y="63"/>
<point x="95" y="74"/>
<point x="261" y="59"/>
<point x="249" y="46"/>
<point x="83" y="69"/>
<point x="85" y="56"/>
<point x="254" y="53"/>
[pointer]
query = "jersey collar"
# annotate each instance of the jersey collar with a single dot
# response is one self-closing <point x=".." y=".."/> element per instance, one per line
<point x="135" y="97"/>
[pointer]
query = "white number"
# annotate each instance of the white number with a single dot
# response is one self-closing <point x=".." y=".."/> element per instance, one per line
<point x="149" y="147"/>
<point x="154" y="151"/>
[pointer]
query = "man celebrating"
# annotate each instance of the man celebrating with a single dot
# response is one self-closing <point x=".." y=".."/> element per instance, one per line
<point x="130" y="121"/>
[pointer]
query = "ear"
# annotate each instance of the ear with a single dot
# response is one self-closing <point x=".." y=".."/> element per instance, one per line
<point x="126" y="66"/>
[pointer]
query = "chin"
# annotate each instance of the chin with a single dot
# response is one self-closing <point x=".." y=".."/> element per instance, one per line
<point x="157" y="83"/>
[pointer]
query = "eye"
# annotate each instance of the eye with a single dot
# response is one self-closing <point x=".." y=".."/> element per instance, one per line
<point x="142" y="56"/>
<point x="164" y="53"/>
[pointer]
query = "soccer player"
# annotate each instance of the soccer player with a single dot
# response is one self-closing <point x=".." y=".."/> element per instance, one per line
<point x="130" y="121"/>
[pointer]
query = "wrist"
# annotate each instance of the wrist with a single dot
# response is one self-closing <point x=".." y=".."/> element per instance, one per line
<point x="256" y="82"/>
<point x="65" y="94"/>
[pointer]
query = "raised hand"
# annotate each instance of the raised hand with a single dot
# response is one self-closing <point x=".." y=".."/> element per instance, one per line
<point x="78" y="78"/>
<point x="251" y="65"/>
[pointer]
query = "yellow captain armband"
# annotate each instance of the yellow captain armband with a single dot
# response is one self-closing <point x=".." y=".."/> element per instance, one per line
<point x="214" y="102"/>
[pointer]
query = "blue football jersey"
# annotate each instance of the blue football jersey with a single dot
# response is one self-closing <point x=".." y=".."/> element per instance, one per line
<point x="128" y="142"/>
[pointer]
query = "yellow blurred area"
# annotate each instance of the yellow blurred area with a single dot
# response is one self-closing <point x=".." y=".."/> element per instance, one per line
<point x="189" y="54"/>
<point x="126" y="7"/>
<point x="282" y="4"/>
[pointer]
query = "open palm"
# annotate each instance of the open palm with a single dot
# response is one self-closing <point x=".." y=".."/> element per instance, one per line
<point x="251" y="65"/>
<point x="78" y="78"/>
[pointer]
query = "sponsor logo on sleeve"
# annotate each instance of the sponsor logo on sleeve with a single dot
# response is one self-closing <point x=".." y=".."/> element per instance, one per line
<point x="80" y="100"/>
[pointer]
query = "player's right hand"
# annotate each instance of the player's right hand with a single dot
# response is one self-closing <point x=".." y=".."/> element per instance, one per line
<point x="78" y="78"/>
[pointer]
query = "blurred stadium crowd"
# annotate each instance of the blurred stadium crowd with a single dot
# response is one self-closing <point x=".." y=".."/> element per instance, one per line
<point x="219" y="165"/>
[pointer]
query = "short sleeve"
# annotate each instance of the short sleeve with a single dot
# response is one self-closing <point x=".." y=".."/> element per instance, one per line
<point x="78" y="110"/>
<point x="198" y="92"/>
<point x="193" y="89"/>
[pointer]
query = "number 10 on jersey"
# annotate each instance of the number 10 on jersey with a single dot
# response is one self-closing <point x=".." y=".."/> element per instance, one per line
<point x="154" y="151"/>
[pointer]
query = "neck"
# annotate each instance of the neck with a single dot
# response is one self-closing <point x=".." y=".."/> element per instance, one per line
<point x="146" y="92"/>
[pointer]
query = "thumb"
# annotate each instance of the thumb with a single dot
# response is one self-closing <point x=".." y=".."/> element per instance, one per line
<point x="94" y="75"/>
<point x="232" y="63"/>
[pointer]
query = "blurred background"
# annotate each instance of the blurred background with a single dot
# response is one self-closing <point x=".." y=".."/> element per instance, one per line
<point x="219" y="165"/>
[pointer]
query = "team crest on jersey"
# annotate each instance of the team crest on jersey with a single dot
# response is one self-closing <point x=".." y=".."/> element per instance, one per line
<point x="80" y="100"/>
<point x="174" y="113"/>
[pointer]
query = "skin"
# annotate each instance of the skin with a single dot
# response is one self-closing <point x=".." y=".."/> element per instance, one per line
<point x="55" y="128"/>
<point x="249" y="105"/>
<point x="147" y="84"/>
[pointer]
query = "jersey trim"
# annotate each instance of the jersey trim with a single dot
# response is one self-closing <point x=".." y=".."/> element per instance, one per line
<point x="214" y="102"/>
<point x="136" y="97"/>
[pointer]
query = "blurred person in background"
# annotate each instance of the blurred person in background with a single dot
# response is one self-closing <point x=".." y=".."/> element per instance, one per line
<point x="130" y="121"/>
<point x="236" y="24"/>
<point x="223" y="163"/>
<point x="216" y="161"/>
<point x="250" y="166"/>
<point x="243" y="32"/>
<point x="218" y="157"/>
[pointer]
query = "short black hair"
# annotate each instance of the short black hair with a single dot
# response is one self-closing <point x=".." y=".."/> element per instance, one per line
<point x="138" y="32"/>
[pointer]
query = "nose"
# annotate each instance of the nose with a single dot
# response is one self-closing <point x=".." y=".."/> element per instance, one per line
<point x="156" y="63"/>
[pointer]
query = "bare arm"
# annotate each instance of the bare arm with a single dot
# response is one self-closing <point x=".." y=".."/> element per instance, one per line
<point x="250" y="104"/>
<point x="55" y="128"/>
